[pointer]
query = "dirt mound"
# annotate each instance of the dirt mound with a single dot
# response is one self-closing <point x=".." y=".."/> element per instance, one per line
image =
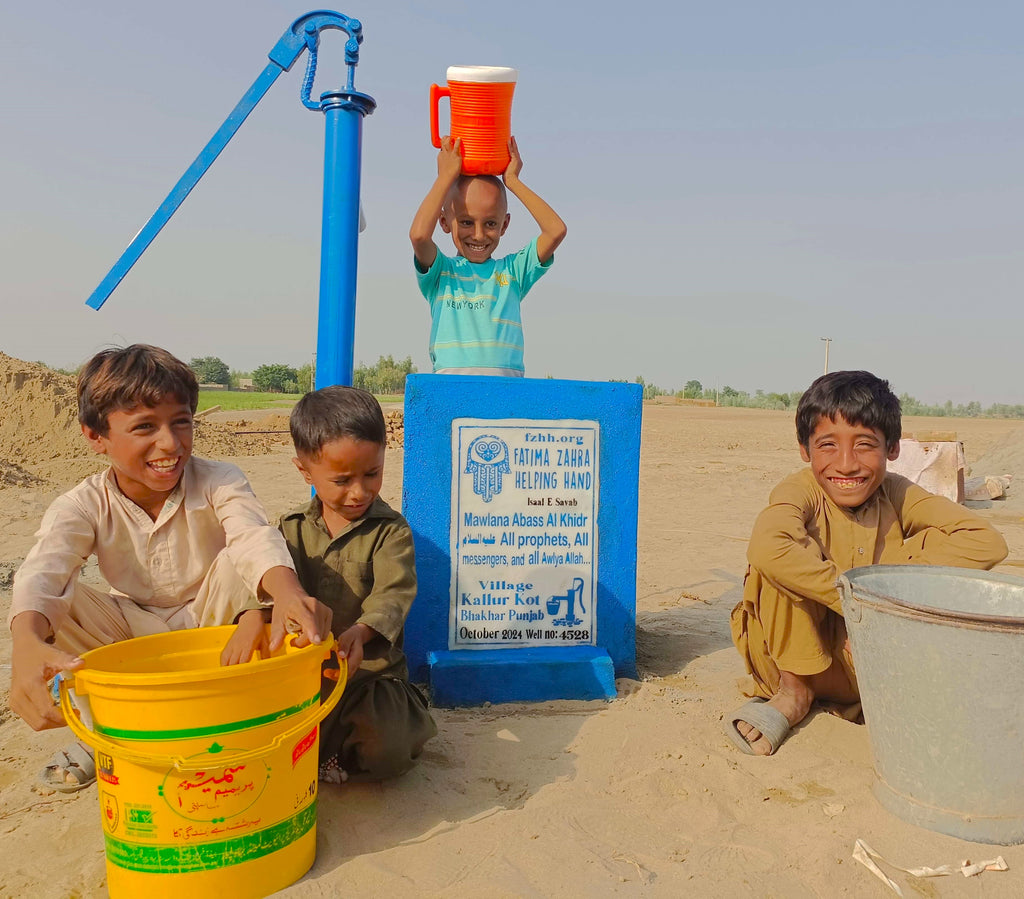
<point x="395" y="421"/>
<point x="1004" y="457"/>
<point x="40" y="437"/>
<point x="40" y="414"/>
<point x="274" y="427"/>
<point x="214" y="440"/>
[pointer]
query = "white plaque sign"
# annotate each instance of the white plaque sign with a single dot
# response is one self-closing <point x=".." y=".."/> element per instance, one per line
<point x="524" y="533"/>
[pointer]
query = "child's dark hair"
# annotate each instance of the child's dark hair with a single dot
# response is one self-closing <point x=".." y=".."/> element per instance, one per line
<point x="124" y="378"/>
<point x="332" y="413"/>
<point x="858" y="396"/>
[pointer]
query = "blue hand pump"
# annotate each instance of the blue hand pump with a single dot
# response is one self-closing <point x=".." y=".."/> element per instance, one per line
<point x="343" y="111"/>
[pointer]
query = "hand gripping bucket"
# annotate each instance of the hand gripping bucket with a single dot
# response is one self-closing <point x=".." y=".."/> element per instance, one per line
<point x="481" y="115"/>
<point x="207" y="774"/>
<point x="940" y="660"/>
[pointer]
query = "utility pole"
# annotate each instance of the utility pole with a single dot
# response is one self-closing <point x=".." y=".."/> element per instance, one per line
<point x="827" y="340"/>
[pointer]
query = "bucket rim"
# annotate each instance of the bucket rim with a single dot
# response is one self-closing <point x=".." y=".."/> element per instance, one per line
<point x="107" y="677"/>
<point x="959" y="616"/>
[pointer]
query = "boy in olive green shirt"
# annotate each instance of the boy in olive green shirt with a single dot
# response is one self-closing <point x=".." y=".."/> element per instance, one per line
<point x="355" y="554"/>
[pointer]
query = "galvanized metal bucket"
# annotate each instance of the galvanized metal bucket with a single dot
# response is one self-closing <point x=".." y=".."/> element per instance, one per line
<point x="939" y="654"/>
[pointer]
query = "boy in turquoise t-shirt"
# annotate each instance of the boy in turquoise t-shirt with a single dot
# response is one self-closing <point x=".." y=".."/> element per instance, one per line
<point x="476" y="328"/>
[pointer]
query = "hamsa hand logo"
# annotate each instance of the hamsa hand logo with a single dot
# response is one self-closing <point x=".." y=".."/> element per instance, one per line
<point x="487" y="461"/>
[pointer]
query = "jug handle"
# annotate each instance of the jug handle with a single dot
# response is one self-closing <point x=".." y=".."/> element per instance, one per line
<point x="436" y="93"/>
<point x="154" y="760"/>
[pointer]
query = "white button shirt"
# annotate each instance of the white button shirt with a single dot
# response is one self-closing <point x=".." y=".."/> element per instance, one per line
<point x="159" y="564"/>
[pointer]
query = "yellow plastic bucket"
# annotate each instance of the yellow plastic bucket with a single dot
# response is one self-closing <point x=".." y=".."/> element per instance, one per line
<point x="207" y="774"/>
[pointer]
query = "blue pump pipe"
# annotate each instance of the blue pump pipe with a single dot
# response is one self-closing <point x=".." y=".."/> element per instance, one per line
<point x="336" y="327"/>
<point x="343" y="110"/>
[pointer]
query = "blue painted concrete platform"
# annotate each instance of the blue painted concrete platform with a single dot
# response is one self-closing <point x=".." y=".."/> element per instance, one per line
<point x="473" y="677"/>
<point x="460" y="676"/>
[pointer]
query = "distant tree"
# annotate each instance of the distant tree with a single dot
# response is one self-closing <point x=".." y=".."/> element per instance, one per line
<point x="236" y="378"/>
<point x="210" y="370"/>
<point x="305" y="378"/>
<point x="693" y="390"/>
<point x="909" y="405"/>
<point x="275" y="378"/>
<point x="385" y="377"/>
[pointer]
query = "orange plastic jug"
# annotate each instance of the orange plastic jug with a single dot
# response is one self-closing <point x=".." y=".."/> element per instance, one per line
<point x="481" y="115"/>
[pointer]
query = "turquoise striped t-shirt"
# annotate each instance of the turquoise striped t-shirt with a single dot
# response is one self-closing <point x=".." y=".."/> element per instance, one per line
<point x="474" y="308"/>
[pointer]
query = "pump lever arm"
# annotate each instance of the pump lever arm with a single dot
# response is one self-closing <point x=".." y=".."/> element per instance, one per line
<point x="303" y="33"/>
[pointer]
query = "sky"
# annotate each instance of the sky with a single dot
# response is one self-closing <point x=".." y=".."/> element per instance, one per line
<point x="739" y="180"/>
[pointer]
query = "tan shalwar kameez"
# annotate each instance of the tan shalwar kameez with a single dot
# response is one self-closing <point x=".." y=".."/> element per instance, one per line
<point x="791" y="617"/>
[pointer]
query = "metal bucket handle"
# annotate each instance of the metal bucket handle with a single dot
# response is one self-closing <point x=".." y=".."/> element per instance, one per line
<point x="156" y="760"/>
<point x="851" y="608"/>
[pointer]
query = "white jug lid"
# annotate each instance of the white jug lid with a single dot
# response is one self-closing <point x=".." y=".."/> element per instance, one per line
<point x="482" y="73"/>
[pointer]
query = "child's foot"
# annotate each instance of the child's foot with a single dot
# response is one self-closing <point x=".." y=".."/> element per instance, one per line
<point x="763" y="743"/>
<point x="71" y="769"/>
<point x="793" y="701"/>
<point x="332" y="773"/>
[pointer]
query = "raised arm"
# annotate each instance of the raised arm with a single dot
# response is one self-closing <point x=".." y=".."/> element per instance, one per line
<point x="938" y="531"/>
<point x="260" y="555"/>
<point x="552" y="228"/>
<point x="786" y="554"/>
<point x="421" y="233"/>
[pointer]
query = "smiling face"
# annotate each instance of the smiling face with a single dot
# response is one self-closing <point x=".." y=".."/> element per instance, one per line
<point x="848" y="461"/>
<point x="347" y="477"/>
<point x="476" y="216"/>
<point x="147" y="448"/>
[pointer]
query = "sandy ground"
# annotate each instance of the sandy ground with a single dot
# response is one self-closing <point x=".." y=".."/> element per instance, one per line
<point x="643" y="796"/>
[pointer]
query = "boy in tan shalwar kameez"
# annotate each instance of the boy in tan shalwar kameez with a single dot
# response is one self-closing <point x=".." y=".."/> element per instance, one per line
<point x="841" y="512"/>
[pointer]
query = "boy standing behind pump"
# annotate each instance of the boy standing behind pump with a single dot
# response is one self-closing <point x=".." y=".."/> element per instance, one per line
<point x="476" y="326"/>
